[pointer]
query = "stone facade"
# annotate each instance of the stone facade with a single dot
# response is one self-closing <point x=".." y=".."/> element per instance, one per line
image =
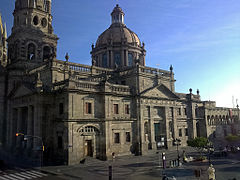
<point x="116" y="105"/>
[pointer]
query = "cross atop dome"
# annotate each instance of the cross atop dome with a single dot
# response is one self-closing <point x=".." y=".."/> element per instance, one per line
<point x="117" y="15"/>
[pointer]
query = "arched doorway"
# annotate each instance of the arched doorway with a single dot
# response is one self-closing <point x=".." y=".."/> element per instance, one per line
<point x="91" y="141"/>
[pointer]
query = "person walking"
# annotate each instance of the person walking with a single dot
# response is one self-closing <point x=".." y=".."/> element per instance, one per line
<point x="211" y="173"/>
<point x="164" y="160"/>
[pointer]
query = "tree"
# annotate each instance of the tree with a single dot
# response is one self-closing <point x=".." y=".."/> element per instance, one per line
<point x="232" y="139"/>
<point x="199" y="142"/>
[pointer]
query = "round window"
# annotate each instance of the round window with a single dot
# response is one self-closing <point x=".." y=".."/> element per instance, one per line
<point x="44" y="22"/>
<point x="35" y="20"/>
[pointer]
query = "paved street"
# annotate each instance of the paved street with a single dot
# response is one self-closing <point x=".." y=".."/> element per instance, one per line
<point x="146" y="167"/>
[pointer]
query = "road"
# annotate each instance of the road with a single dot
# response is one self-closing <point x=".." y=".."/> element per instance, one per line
<point x="147" y="167"/>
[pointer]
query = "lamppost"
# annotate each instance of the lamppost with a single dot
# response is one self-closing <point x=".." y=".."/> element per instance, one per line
<point x="209" y="145"/>
<point x="160" y="145"/>
<point x="238" y="123"/>
<point x="26" y="137"/>
<point x="177" y="142"/>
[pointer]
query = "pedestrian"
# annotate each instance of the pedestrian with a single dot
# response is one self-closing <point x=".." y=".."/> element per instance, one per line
<point x="164" y="177"/>
<point x="164" y="160"/>
<point x="184" y="156"/>
<point x="211" y="173"/>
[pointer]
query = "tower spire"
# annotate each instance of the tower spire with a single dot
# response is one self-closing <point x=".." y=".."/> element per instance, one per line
<point x="1" y="25"/>
<point x="5" y="31"/>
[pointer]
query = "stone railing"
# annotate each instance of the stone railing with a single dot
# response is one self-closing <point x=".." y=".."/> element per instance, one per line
<point x="80" y="67"/>
<point x="120" y="89"/>
<point x="154" y="71"/>
<point x="87" y="86"/>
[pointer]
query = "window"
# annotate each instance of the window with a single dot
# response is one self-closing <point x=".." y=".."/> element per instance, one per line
<point x="179" y="111"/>
<point x="46" y="52"/>
<point x="117" y="59"/>
<point x="180" y="132"/>
<point x="115" y="109"/>
<point x="186" y="131"/>
<point x="88" y="108"/>
<point x="60" y="108"/>
<point x="104" y="60"/>
<point x="60" y="144"/>
<point x="44" y="22"/>
<point x="35" y="20"/>
<point x="130" y="59"/>
<point x="116" y="138"/>
<point x="185" y="111"/>
<point x="128" y="137"/>
<point x="126" y="108"/>
<point x="31" y="51"/>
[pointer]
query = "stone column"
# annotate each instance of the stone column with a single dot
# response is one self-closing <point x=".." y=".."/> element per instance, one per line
<point x="175" y="129"/>
<point x="37" y="124"/>
<point x="100" y="60"/>
<point x="194" y="125"/>
<point x="141" y="123"/>
<point x="152" y="130"/>
<point x="11" y="127"/>
<point x="19" y="128"/>
<point x="108" y="60"/>
<point x="126" y="57"/>
<point x="112" y="60"/>
<point x="122" y="57"/>
<point x="168" y="138"/>
<point x="30" y="126"/>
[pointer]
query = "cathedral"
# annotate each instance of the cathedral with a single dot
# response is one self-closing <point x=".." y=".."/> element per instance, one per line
<point x="117" y="105"/>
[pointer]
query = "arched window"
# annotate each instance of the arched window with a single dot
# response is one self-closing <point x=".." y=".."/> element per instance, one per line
<point x="31" y="52"/>
<point x="46" y="52"/>
<point x="130" y="59"/>
<point x="104" y="60"/>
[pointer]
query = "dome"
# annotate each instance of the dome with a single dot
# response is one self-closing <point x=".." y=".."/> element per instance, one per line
<point x="118" y="33"/>
<point x="118" y="46"/>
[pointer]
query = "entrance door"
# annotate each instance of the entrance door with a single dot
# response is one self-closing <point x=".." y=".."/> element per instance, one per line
<point x="88" y="148"/>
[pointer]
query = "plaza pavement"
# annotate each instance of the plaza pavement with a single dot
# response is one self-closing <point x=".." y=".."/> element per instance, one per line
<point x="146" y="168"/>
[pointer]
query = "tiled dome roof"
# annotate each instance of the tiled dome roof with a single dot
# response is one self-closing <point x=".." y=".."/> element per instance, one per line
<point x="118" y="33"/>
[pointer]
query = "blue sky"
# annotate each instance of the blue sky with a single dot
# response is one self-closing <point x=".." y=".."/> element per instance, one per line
<point x="200" y="38"/>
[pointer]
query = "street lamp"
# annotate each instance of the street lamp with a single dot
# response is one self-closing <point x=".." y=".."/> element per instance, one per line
<point x="26" y="137"/>
<point x="177" y="142"/>
<point x="160" y="145"/>
<point x="238" y="123"/>
<point x="209" y="145"/>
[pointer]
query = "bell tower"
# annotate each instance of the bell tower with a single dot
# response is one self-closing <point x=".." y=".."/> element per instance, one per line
<point x="32" y="39"/>
<point x="3" y="43"/>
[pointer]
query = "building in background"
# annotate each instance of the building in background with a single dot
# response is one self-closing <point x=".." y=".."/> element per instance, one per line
<point x="115" y="105"/>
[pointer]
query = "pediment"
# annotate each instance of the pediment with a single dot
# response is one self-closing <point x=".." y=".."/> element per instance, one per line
<point x="21" y="91"/>
<point x="159" y="91"/>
